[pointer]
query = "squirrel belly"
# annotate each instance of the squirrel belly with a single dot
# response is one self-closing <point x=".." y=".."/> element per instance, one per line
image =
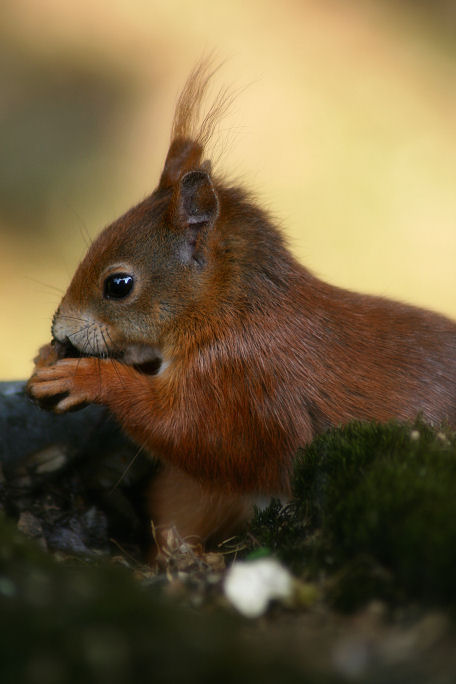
<point x="217" y="351"/>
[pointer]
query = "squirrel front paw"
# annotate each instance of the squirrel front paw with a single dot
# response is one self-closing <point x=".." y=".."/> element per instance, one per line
<point x="68" y="384"/>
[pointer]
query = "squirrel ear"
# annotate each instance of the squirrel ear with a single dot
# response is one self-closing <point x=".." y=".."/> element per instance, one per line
<point x="196" y="210"/>
<point x="197" y="200"/>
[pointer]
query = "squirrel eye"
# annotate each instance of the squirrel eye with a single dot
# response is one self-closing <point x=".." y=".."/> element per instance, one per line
<point x="118" y="286"/>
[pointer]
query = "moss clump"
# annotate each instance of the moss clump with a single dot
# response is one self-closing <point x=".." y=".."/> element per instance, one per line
<point x="374" y="509"/>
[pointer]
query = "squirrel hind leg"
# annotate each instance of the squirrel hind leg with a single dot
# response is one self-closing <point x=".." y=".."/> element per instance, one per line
<point x="182" y="508"/>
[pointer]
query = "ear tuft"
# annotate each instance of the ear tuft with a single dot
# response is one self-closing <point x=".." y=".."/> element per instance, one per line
<point x="183" y="155"/>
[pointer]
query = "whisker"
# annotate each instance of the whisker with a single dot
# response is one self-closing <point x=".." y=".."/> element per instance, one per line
<point x="109" y="337"/>
<point x="86" y="346"/>
<point x="43" y="284"/>
<point x="76" y="318"/>
<point x="81" y="330"/>
<point x="82" y="225"/>
<point x="126" y="469"/>
<point x="116" y="370"/>
<point x="85" y="234"/>
<point x="106" y="352"/>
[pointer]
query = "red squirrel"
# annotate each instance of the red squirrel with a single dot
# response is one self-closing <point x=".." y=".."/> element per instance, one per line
<point x="221" y="354"/>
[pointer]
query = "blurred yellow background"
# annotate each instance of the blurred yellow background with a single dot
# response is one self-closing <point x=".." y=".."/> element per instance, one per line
<point x="344" y="128"/>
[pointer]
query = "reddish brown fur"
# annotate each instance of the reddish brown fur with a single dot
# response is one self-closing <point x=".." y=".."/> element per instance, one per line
<point x="259" y="355"/>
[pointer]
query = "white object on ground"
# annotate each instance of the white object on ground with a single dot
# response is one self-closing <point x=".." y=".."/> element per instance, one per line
<point x="251" y="585"/>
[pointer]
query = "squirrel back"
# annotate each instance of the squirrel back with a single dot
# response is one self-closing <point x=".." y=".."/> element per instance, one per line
<point x="216" y="349"/>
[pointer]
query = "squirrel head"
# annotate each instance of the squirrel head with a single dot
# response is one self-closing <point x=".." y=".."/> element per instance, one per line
<point x="151" y="265"/>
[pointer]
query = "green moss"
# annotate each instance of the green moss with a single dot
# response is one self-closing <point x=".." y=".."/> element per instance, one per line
<point x="280" y="530"/>
<point x="374" y="510"/>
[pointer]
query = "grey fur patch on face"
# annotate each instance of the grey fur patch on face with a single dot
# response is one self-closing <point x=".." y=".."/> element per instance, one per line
<point x="146" y="359"/>
<point x="139" y="354"/>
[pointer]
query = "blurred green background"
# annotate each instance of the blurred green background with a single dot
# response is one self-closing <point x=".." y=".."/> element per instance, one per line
<point x="345" y="129"/>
